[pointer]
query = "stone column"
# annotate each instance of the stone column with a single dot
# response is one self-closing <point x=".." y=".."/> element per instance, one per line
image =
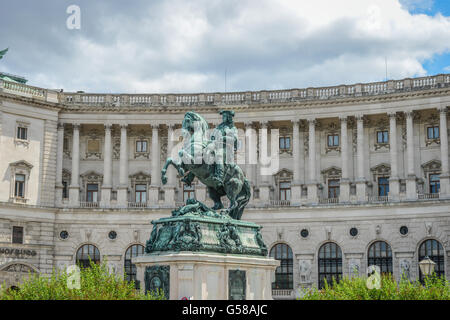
<point x="264" y="187"/>
<point x="74" y="189"/>
<point x="296" y="188"/>
<point x="107" y="169"/>
<point x="122" y="190"/>
<point x="169" y="188"/>
<point x="344" y="188"/>
<point x="59" y="166"/>
<point x="250" y="155"/>
<point x="361" y="187"/>
<point x="445" y="175"/>
<point x="155" y="171"/>
<point x="312" y="183"/>
<point x="411" y="188"/>
<point x="394" y="181"/>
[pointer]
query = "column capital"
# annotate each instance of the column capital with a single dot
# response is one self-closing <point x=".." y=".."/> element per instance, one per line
<point x="76" y="126"/>
<point x="154" y="126"/>
<point x="108" y="126"/>
<point x="248" y="124"/>
<point x="295" y="121"/>
<point x="392" y="114"/>
<point x="343" y="119"/>
<point x="171" y="126"/>
<point x="124" y="126"/>
<point x="60" y="125"/>
<point x="264" y="124"/>
<point x="311" y="121"/>
<point x="409" y="114"/>
<point x="359" y="117"/>
<point x="442" y="110"/>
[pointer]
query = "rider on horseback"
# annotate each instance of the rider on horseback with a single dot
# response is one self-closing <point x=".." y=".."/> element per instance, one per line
<point x="223" y="137"/>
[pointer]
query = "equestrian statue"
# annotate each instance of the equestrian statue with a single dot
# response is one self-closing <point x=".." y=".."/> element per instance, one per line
<point x="210" y="158"/>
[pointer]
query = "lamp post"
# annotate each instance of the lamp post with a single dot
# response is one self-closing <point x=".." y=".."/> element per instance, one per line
<point x="427" y="266"/>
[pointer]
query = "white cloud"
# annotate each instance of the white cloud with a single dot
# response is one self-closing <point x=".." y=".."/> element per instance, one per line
<point x="185" y="46"/>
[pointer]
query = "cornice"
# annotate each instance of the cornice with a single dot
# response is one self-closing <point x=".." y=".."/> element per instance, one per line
<point x="54" y="106"/>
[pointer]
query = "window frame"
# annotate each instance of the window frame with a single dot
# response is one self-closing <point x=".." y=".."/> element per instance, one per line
<point x="333" y="144"/>
<point x="19" y="186"/>
<point x="92" y="193"/>
<point x="434" y="128"/>
<point x="140" y="142"/>
<point x="433" y="183"/>
<point x="129" y="268"/>
<point x="142" y="193"/>
<point x="15" y="238"/>
<point x="284" y="193"/>
<point x="284" y="139"/>
<point x="383" y="186"/>
<point x="328" y="263"/>
<point x="439" y="259"/>
<point x="379" y="253"/>
<point x="284" y="274"/>
<point x="188" y="190"/>
<point x="384" y="136"/>
<point x="335" y="188"/>
<point x="85" y="261"/>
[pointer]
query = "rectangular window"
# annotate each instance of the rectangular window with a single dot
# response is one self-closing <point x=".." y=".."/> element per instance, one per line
<point x="285" y="143"/>
<point x="188" y="192"/>
<point x="382" y="136"/>
<point x="17" y="236"/>
<point x="141" y="193"/>
<point x="383" y="186"/>
<point x="141" y="146"/>
<point x="92" y="193"/>
<point x="333" y="189"/>
<point x="433" y="132"/>
<point x="19" y="190"/>
<point x="285" y="191"/>
<point x="22" y="133"/>
<point x="65" y="194"/>
<point x="434" y="183"/>
<point x="333" y="140"/>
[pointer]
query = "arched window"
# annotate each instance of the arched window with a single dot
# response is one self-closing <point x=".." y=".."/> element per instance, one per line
<point x="283" y="273"/>
<point x="129" y="268"/>
<point x="85" y="252"/>
<point x="330" y="263"/>
<point x="434" y="250"/>
<point x="380" y="254"/>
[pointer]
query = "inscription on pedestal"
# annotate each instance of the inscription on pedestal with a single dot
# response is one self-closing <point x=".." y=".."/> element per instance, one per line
<point x="157" y="279"/>
<point x="236" y="285"/>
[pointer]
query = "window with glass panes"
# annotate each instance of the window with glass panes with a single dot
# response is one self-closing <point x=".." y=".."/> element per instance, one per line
<point x="188" y="192"/>
<point x="283" y="273"/>
<point x="19" y="188"/>
<point x="382" y="136"/>
<point x="333" y="140"/>
<point x="432" y="249"/>
<point x="333" y="188"/>
<point x="92" y="192"/>
<point x="285" y="191"/>
<point x="65" y="194"/>
<point x="433" y="132"/>
<point x="22" y="133"/>
<point x="140" y="193"/>
<point x="86" y="252"/>
<point x="434" y="183"/>
<point x="17" y="235"/>
<point x="380" y="254"/>
<point x="383" y="186"/>
<point x="330" y="263"/>
<point x="141" y="146"/>
<point x="130" y="268"/>
<point x="285" y="143"/>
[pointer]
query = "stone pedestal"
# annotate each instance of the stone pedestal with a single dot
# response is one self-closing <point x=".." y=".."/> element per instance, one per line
<point x="207" y="276"/>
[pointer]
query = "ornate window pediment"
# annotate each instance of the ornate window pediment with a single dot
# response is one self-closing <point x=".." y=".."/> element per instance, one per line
<point x="284" y="175"/>
<point x="91" y="177"/>
<point x="332" y="137"/>
<point x="382" y="134"/>
<point x="381" y="170"/>
<point x="432" y="134"/>
<point x="20" y="174"/>
<point x="331" y="173"/>
<point x="432" y="166"/>
<point x="140" y="178"/>
<point x="285" y="141"/>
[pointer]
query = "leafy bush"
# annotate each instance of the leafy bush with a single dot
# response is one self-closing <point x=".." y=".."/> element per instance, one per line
<point x="96" y="284"/>
<point x="434" y="288"/>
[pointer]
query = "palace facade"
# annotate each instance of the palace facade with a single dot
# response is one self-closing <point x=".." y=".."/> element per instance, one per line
<point x="362" y="176"/>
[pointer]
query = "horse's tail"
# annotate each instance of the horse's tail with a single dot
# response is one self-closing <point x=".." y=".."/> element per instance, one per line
<point x="242" y="199"/>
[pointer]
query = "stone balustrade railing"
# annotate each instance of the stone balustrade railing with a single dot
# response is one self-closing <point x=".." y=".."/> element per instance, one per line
<point x="248" y="97"/>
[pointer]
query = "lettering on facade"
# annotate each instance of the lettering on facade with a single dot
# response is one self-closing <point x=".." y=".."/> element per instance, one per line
<point x="18" y="252"/>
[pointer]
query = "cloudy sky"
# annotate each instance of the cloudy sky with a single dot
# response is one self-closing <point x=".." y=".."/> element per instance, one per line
<point x="176" y="46"/>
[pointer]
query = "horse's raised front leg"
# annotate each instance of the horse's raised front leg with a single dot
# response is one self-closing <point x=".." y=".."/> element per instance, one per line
<point x="170" y="161"/>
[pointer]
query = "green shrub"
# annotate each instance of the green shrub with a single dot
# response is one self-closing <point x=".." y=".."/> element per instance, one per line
<point x="96" y="284"/>
<point x="434" y="288"/>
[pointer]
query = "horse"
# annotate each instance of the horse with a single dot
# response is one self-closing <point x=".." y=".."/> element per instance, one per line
<point x="234" y="185"/>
